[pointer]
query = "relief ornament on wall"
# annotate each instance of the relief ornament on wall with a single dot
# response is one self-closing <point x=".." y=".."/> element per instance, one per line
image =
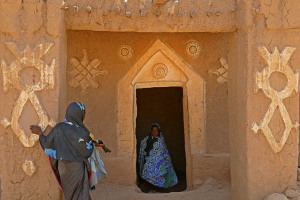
<point x="11" y="78"/>
<point x="276" y="62"/>
<point x="193" y="48"/>
<point x="84" y="72"/>
<point x="125" y="52"/>
<point x="160" y="71"/>
<point x="221" y="72"/>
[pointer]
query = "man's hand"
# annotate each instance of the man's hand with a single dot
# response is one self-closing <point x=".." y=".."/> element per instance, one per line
<point x="35" y="129"/>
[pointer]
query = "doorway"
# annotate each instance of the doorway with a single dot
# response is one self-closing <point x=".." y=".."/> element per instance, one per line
<point x="164" y="106"/>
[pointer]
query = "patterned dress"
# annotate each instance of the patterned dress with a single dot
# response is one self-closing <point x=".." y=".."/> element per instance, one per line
<point x="156" y="168"/>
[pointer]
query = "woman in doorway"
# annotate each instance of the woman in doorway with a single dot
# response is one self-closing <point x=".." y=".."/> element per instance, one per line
<point x="155" y="162"/>
<point x="69" y="146"/>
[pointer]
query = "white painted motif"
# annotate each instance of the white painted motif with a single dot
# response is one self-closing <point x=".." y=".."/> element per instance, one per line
<point x="276" y="62"/>
<point x="29" y="167"/>
<point x="84" y="72"/>
<point x="221" y="73"/>
<point x="11" y="78"/>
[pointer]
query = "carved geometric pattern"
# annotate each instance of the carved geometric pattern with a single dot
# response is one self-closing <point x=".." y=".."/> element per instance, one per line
<point x="276" y="62"/>
<point x="84" y="72"/>
<point x="193" y="48"/>
<point x="28" y="167"/>
<point x="221" y="72"/>
<point x="160" y="71"/>
<point x="28" y="57"/>
<point x="125" y="52"/>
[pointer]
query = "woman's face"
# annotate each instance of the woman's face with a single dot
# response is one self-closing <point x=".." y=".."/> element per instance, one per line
<point x="155" y="132"/>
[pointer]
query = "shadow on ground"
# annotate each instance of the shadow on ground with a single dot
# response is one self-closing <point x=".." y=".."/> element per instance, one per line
<point x="209" y="190"/>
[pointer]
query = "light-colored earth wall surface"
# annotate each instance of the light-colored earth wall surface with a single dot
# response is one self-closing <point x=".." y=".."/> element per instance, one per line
<point x="236" y="62"/>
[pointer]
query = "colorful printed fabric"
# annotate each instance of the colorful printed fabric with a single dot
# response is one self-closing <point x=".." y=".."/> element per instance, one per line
<point x="97" y="168"/>
<point x="89" y="145"/>
<point x="157" y="168"/>
<point x="51" y="153"/>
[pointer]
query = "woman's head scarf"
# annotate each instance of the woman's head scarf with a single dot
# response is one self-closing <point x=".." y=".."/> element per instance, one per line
<point x="70" y="140"/>
<point x="155" y="125"/>
<point x="151" y="139"/>
<point x="75" y="115"/>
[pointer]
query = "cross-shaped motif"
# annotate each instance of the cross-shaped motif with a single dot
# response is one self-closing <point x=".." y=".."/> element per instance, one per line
<point x="28" y="57"/>
<point x="277" y="62"/>
<point x="84" y="72"/>
<point x="221" y="72"/>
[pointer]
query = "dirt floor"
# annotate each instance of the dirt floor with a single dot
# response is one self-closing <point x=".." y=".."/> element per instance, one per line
<point x="209" y="190"/>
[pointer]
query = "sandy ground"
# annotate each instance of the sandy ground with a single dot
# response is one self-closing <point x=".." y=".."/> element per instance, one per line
<point x="209" y="190"/>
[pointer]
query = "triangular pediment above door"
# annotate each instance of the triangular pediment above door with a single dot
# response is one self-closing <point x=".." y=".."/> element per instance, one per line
<point x="160" y="63"/>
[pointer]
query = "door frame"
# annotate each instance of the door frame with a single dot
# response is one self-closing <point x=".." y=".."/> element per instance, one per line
<point x="188" y="160"/>
<point x="160" y="66"/>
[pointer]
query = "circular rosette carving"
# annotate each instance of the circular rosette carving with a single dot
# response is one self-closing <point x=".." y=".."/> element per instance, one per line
<point x="125" y="52"/>
<point x="193" y="48"/>
<point x="160" y="71"/>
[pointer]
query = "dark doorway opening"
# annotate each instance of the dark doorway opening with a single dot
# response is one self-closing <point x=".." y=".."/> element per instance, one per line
<point x="163" y="106"/>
